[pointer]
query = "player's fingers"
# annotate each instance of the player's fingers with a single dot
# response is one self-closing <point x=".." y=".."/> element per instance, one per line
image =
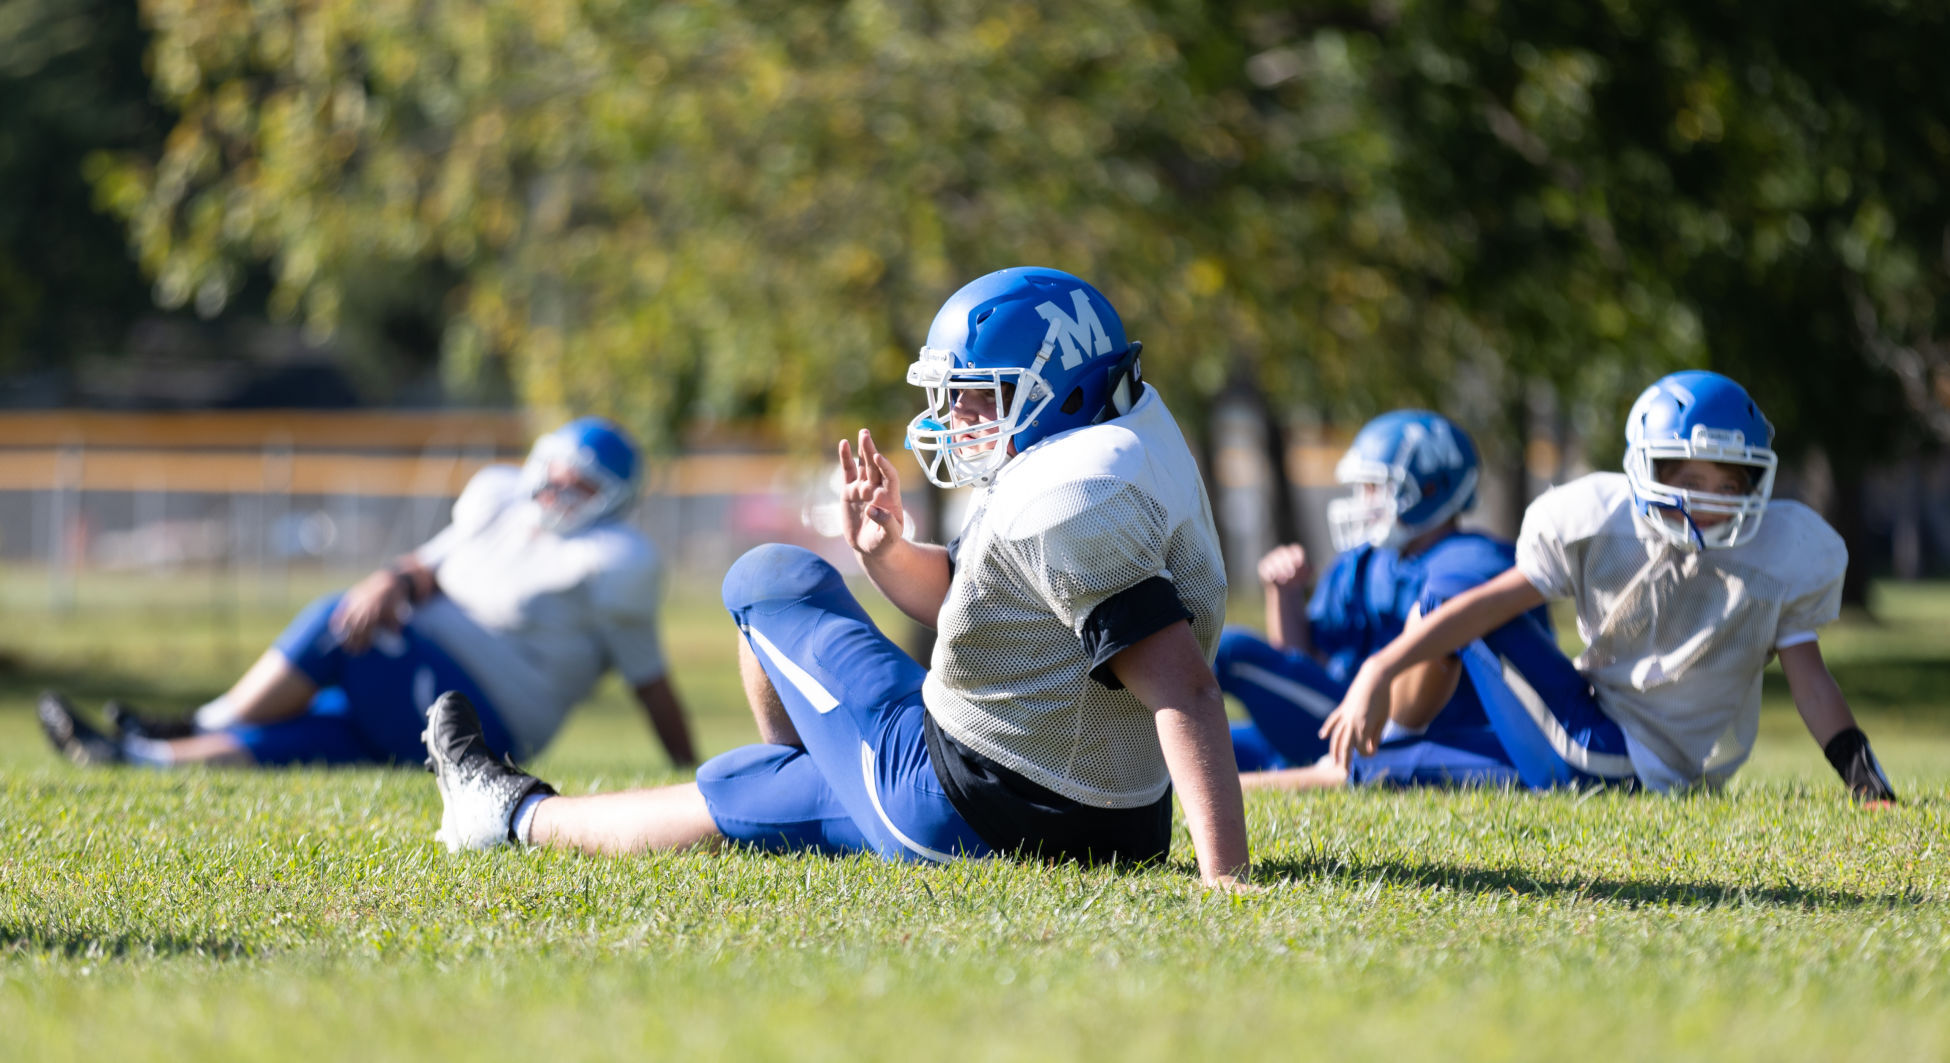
<point x="353" y="636"/>
<point x="847" y="467"/>
<point x="868" y="469"/>
<point x="887" y="474"/>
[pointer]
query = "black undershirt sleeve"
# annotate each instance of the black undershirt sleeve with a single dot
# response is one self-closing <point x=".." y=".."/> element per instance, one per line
<point x="1127" y="618"/>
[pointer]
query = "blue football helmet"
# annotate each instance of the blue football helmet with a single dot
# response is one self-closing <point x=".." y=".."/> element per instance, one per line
<point x="1703" y="416"/>
<point x="1412" y="470"/>
<point x="600" y="453"/>
<point x="1048" y="347"/>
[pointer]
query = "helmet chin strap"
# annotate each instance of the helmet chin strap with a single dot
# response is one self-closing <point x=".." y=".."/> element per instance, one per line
<point x="1699" y="540"/>
<point x="1126" y="378"/>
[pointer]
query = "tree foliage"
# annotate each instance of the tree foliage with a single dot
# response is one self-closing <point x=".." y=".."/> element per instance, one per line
<point x="669" y="211"/>
<point x="70" y="83"/>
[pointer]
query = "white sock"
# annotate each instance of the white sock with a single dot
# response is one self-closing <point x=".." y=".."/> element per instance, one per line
<point x="147" y="752"/>
<point x="524" y="816"/>
<point x="216" y="714"/>
<point x="1395" y="730"/>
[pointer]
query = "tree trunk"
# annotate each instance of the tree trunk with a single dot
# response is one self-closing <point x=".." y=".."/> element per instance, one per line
<point x="1845" y="513"/>
<point x="1208" y="459"/>
<point x="1286" y="518"/>
<point x="1517" y="462"/>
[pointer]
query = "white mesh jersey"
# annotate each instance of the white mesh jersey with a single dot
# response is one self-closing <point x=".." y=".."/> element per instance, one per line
<point x="1066" y="526"/>
<point x="1676" y="639"/>
<point x="534" y="616"/>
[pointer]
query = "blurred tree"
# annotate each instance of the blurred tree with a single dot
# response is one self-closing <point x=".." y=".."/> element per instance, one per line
<point x="703" y="210"/>
<point x="71" y="82"/>
<point x="716" y="209"/>
<point x="1590" y="194"/>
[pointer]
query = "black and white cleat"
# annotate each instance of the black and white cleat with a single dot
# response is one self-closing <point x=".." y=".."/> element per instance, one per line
<point x="71" y="736"/>
<point x="479" y="791"/>
<point x="127" y="721"/>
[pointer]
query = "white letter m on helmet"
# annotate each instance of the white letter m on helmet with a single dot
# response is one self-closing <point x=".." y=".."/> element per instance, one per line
<point x="1076" y="334"/>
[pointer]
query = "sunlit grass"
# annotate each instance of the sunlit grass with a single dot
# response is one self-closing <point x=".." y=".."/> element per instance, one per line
<point x="308" y="913"/>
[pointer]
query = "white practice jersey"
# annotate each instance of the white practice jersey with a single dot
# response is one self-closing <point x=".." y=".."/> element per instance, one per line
<point x="1110" y="513"/>
<point x="1676" y="639"/>
<point x="535" y="616"/>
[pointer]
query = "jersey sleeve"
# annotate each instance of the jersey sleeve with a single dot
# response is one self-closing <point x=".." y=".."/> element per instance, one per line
<point x="492" y="490"/>
<point x="1543" y="555"/>
<point x="1094" y="552"/>
<point x="626" y="596"/>
<point x="1817" y="560"/>
<point x="1461" y="568"/>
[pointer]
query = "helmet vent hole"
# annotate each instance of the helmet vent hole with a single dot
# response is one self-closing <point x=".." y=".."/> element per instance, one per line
<point x="1074" y="402"/>
<point x="984" y="315"/>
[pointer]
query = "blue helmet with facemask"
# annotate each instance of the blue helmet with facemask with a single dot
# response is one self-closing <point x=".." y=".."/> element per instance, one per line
<point x="1044" y="345"/>
<point x="599" y="453"/>
<point x="1698" y="415"/>
<point x="1411" y="470"/>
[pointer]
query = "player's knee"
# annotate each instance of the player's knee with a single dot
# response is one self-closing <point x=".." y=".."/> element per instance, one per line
<point x="318" y="610"/>
<point x="745" y="762"/>
<point x="308" y="626"/>
<point x="776" y="571"/>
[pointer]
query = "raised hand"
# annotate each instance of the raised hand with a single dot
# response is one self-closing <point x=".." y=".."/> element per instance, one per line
<point x="870" y="498"/>
<point x="1285" y="566"/>
<point x="372" y="604"/>
<point x="1356" y="724"/>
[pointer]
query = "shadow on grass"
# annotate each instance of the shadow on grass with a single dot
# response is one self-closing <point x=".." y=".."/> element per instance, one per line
<point x="1628" y="893"/>
<point x="84" y="944"/>
<point x="23" y="678"/>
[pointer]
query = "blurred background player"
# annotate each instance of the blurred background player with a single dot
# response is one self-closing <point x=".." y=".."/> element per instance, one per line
<point x="1070" y="686"/>
<point x="1412" y="474"/>
<point x="1687" y="578"/>
<point x="535" y="588"/>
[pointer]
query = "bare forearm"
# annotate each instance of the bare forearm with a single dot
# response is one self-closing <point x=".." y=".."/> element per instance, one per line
<point x="913" y="576"/>
<point x="667" y="719"/>
<point x="1168" y="672"/>
<point x="1287" y="626"/>
<point x="1460" y="621"/>
<point x="1198" y="754"/>
<point x="1817" y="697"/>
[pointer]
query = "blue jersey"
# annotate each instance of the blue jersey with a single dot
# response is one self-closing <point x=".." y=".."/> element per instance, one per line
<point x="1368" y="594"/>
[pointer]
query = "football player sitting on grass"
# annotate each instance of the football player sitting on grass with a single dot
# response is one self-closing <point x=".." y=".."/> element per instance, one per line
<point x="536" y="587"/>
<point x="1687" y="579"/>
<point x="1412" y="474"/>
<point x="1070" y="688"/>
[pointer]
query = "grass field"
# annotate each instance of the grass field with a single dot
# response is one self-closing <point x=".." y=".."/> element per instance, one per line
<point x="308" y="914"/>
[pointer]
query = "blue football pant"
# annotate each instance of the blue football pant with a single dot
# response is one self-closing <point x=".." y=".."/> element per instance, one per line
<point x="1565" y="740"/>
<point x="864" y="780"/>
<point x="370" y="707"/>
<point x="1289" y="695"/>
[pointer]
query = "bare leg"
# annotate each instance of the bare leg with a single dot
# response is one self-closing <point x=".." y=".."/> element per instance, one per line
<point x="270" y="691"/>
<point x="1322" y="776"/>
<point x="214" y="749"/>
<point x="1417" y="696"/>
<point x="667" y="817"/>
<point x="774" y="725"/>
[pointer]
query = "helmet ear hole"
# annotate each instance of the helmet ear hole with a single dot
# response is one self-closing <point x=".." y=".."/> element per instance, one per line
<point x="1074" y="402"/>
